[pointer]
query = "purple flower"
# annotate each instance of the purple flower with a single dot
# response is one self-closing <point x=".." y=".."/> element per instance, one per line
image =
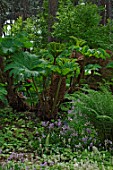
<point x="51" y="125"/>
<point x="84" y="139"/>
<point x="91" y="144"/>
<point x="22" y="160"/>
<point x="20" y="155"/>
<point x="44" y="124"/>
<point x="10" y="157"/>
<point x="44" y="164"/>
<point x="88" y="130"/>
<point x="75" y="134"/>
<point x="59" y="123"/>
<point x="65" y="127"/>
<point x="43" y="136"/>
<point x="51" y="163"/>
<point x="70" y="111"/>
<point x="100" y="145"/>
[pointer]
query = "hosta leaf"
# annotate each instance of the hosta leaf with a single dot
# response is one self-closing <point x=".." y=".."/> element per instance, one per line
<point x="92" y="66"/>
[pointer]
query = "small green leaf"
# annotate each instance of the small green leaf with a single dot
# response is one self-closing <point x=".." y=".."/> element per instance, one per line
<point x="66" y="71"/>
<point x="28" y="44"/>
<point x="47" y="140"/>
<point x="110" y="65"/>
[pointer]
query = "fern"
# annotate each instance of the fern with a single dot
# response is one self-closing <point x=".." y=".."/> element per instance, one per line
<point x="96" y="104"/>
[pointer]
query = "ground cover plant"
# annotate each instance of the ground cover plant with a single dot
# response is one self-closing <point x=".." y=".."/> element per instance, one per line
<point x="53" y="112"/>
<point x="27" y="143"/>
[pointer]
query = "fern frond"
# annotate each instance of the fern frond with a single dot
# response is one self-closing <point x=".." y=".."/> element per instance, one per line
<point x="95" y="102"/>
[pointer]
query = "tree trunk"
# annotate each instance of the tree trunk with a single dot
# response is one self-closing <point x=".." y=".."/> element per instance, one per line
<point x="107" y="12"/>
<point x="75" y="2"/>
<point x="53" y="6"/>
<point x="109" y="9"/>
<point x="103" y="13"/>
<point x="0" y="26"/>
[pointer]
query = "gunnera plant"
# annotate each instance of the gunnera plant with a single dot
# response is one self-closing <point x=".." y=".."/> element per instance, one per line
<point x="97" y="107"/>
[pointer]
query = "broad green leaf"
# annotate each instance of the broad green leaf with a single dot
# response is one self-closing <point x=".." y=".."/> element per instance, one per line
<point x="25" y="63"/>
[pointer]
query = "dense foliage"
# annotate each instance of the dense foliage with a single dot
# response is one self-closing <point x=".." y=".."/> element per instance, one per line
<point x="54" y="112"/>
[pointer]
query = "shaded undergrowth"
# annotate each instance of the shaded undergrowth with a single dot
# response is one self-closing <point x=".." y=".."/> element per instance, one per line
<point x="26" y="142"/>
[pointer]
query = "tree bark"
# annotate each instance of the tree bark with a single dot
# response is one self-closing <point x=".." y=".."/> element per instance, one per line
<point x="109" y="9"/>
<point x="0" y="25"/>
<point x="53" y="6"/>
<point x="107" y="12"/>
